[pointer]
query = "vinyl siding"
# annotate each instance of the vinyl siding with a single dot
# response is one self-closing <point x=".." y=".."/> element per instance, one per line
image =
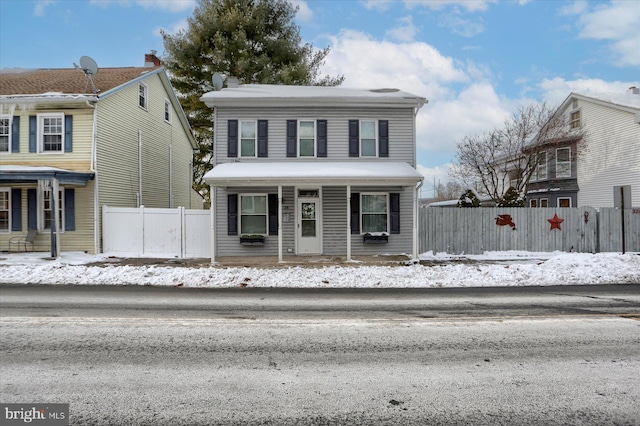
<point x="401" y="124"/>
<point x="119" y="121"/>
<point x="79" y="240"/>
<point x="611" y="157"/>
<point x="334" y="224"/>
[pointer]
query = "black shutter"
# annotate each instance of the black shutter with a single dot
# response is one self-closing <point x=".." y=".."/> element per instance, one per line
<point x="263" y="138"/>
<point x="394" y="201"/>
<point x="383" y="138"/>
<point x="16" y="209"/>
<point x="68" y="133"/>
<point x="355" y="213"/>
<point x="292" y="138"/>
<point x="273" y="214"/>
<point x="15" y="134"/>
<point x="354" y="138"/>
<point x="69" y="209"/>
<point x="322" y="138"/>
<point x="232" y="138"/>
<point x="32" y="209"/>
<point x="232" y="214"/>
<point x="33" y="133"/>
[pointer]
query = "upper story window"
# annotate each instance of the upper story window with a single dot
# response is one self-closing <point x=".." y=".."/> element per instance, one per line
<point x="368" y="139"/>
<point x="143" y="95"/>
<point x="51" y="132"/>
<point x="167" y="111"/>
<point x="5" y="134"/>
<point x="5" y="209"/>
<point x="374" y="212"/>
<point x="248" y="138"/>
<point x="563" y="162"/>
<point x="307" y="138"/>
<point x="253" y="214"/>
<point x="540" y="170"/>
<point x="575" y="119"/>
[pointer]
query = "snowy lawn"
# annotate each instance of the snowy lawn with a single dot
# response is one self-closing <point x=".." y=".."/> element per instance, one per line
<point x="489" y="269"/>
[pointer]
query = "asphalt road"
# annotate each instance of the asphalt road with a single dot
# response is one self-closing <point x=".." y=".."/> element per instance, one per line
<point x="158" y="356"/>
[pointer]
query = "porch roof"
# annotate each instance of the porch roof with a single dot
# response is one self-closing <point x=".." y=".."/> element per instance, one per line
<point x="363" y="173"/>
<point x="27" y="174"/>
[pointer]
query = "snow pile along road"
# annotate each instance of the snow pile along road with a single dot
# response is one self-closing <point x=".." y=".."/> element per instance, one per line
<point x="513" y="269"/>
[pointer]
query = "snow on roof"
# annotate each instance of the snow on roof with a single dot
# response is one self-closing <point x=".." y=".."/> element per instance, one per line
<point x="29" y="169"/>
<point x="345" y="172"/>
<point x="283" y="94"/>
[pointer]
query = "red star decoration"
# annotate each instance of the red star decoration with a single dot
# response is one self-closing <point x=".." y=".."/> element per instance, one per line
<point x="555" y="222"/>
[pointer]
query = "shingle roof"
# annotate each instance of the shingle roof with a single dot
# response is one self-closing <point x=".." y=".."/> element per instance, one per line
<point x="65" y="80"/>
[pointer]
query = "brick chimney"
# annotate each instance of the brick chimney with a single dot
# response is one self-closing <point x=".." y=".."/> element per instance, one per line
<point x="151" y="60"/>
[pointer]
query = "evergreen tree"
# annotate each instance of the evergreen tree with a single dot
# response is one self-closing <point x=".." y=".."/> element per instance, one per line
<point x="468" y="199"/>
<point x="256" y="41"/>
<point x="511" y="198"/>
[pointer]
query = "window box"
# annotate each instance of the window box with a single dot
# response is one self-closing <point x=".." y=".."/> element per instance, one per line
<point x="252" y="240"/>
<point x="375" y="238"/>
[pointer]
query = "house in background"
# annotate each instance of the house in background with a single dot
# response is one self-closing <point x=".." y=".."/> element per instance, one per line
<point x="78" y="141"/>
<point x="577" y="173"/>
<point x="303" y="170"/>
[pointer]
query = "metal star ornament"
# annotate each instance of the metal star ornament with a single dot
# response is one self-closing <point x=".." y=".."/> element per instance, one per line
<point x="555" y="222"/>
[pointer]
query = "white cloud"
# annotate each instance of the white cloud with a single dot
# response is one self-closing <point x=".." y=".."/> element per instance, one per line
<point x="617" y="23"/>
<point x="556" y="90"/>
<point x="460" y="25"/>
<point x="40" y="6"/>
<point x="168" y="5"/>
<point x="305" y="14"/>
<point x="380" y="5"/>
<point x="405" y="31"/>
<point x="469" y="5"/>
<point x="181" y="25"/>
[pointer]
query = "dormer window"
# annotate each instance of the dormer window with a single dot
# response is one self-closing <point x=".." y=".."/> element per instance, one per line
<point x="142" y="95"/>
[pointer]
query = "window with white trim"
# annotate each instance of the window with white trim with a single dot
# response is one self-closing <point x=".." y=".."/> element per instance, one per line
<point x="574" y="123"/>
<point x="167" y="111"/>
<point x="5" y="134"/>
<point x="45" y="211"/>
<point x="541" y="167"/>
<point x="533" y="203"/>
<point x="544" y="202"/>
<point x="563" y="162"/>
<point x="5" y="209"/>
<point x="253" y="214"/>
<point x="248" y="139"/>
<point x="368" y="139"/>
<point x="142" y="95"/>
<point x="564" y="202"/>
<point x="306" y="138"/>
<point x="374" y="212"/>
<point x="51" y="132"/>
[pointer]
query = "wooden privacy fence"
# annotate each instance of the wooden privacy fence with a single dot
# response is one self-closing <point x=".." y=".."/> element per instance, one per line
<point x="156" y="232"/>
<point x="476" y="230"/>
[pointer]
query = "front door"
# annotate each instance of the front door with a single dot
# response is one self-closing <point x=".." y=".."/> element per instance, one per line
<point x="309" y="240"/>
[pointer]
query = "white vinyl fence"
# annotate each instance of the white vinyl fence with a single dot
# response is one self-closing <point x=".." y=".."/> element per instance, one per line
<point x="151" y="232"/>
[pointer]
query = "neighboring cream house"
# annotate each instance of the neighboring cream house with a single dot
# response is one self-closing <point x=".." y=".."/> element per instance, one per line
<point x="576" y="173"/>
<point x="309" y="170"/>
<point x="119" y="138"/>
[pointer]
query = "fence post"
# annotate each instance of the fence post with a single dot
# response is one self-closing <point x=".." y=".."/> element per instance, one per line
<point x="183" y="232"/>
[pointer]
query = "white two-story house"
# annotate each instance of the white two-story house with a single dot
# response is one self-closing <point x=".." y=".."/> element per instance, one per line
<point x="584" y="171"/>
<point x="310" y="170"/>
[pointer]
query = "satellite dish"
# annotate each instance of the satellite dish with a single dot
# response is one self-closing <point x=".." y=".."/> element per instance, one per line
<point x="88" y="65"/>
<point x="217" y="81"/>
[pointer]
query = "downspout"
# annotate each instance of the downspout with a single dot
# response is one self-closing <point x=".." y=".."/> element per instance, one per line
<point x="212" y="190"/>
<point x="140" y="168"/>
<point x="96" y="188"/>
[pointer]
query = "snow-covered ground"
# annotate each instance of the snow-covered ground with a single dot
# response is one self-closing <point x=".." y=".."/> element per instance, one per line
<point x="489" y="269"/>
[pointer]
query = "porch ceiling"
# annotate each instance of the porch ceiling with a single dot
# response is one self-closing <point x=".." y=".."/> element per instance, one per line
<point x="361" y="173"/>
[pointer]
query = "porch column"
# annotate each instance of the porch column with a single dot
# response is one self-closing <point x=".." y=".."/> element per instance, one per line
<point x="348" y="223"/>
<point x="280" y="260"/>
<point x="213" y="223"/>
<point x="415" y="222"/>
